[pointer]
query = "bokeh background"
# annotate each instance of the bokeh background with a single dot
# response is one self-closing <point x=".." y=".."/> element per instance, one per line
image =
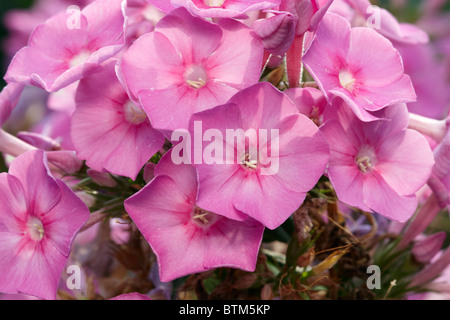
<point x="6" y="6"/>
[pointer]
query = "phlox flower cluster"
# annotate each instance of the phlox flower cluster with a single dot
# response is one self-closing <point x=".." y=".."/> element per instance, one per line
<point x="171" y="109"/>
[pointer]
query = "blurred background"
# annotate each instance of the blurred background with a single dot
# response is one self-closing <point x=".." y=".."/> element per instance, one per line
<point x="6" y="6"/>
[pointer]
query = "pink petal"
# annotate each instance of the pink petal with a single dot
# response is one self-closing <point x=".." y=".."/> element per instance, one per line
<point x="152" y="62"/>
<point x="106" y="23"/>
<point x="237" y="66"/>
<point x="241" y="249"/>
<point x="178" y="102"/>
<point x="13" y="205"/>
<point x="43" y="271"/>
<point x="162" y="5"/>
<point x="184" y="175"/>
<point x="369" y="51"/>
<point x="342" y="170"/>
<point x="375" y="98"/>
<point x="62" y="223"/>
<point x="264" y="199"/>
<point x="328" y="52"/>
<point x="162" y="211"/>
<point x="357" y="105"/>
<point x="218" y="184"/>
<point x="193" y="38"/>
<point x="14" y="270"/>
<point x="381" y="198"/>
<point x="9" y="97"/>
<point x="405" y="161"/>
<point x="304" y="154"/>
<point x="41" y="189"/>
<point x="263" y="106"/>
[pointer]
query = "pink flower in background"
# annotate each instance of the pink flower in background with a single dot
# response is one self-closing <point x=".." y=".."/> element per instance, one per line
<point x="377" y="166"/>
<point x="109" y="130"/>
<point x="217" y="8"/>
<point x="189" y="65"/>
<point x="70" y="46"/>
<point x="361" y="13"/>
<point x="431" y="81"/>
<point x="267" y="178"/>
<point x="186" y="238"/>
<point x="21" y="22"/>
<point x="309" y="101"/>
<point x="9" y="97"/>
<point x="358" y="65"/>
<point x="39" y="218"/>
<point x="142" y="18"/>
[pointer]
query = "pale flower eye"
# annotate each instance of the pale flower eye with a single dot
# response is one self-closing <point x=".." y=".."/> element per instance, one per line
<point x="214" y="3"/>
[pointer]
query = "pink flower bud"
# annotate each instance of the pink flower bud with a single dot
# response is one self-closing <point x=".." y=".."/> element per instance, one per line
<point x="102" y="178"/>
<point x="39" y="141"/>
<point x="276" y="32"/>
<point x="424" y="250"/>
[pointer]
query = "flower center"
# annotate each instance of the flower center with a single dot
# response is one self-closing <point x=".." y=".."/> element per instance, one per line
<point x="195" y="76"/>
<point x="133" y="114"/>
<point x="202" y="217"/>
<point x="214" y="3"/>
<point x="249" y="162"/>
<point x="347" y="80"/>
<point x="79" y="58"/>
<point x="35" y="229"/>
<point x="366" y="159"/>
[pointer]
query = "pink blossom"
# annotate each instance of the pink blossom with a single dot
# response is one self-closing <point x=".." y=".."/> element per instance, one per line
<point x="109" y="130"/>
<point x="186" y="238"/>
<point x="39" y="218"/>
<point x="425" y="249"/>
<point x="361" y="13"/>
<point x="21" y="22"/>
<point x="217" y="8"/>
<point x="264" y="178"/>
<point x="70" y="46"/>
<point x="9" y="97"/>
<point x="377" y="166"/>
<point x="358" y="65"/>
<point x="309" y="101"/>
<point x="188" y="65"/>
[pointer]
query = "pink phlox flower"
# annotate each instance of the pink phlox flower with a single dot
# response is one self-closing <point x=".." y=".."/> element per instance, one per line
<point x="39" y="218"/>
<point x="263" y="156"/>
<point x="377" y="166"/>
<point x="70" y="46"/>
<point x="186" y="238"/>
<point x="109" y="129"/>
<point x="358" y="65"/>
<point x="189" y="65"/>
